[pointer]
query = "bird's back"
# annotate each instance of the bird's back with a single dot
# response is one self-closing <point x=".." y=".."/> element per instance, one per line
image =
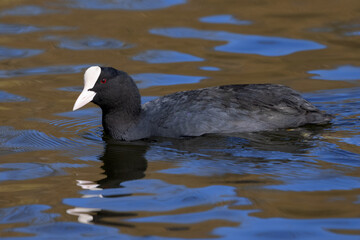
<point x="230" y="108"/>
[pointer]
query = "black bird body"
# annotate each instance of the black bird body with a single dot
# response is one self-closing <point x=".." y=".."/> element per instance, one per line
<point x="222" y="109"/>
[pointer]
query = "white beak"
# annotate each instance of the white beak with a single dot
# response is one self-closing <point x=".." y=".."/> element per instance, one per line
<point x="85" y="97"/>
<point x="90" y="77"/>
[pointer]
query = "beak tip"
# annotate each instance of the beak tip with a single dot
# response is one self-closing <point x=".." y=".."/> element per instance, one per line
<point x="84" y="98"/>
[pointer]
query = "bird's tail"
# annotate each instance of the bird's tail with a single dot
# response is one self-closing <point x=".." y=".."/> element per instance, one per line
<point x="319" y="118"/>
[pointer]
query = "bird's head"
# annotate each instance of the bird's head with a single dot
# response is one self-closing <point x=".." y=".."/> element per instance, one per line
<point x="108" y="88"/>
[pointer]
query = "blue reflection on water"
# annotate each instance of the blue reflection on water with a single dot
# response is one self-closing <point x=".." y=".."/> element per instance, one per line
<point x="356" y="33"/>
<point x="284" y="228"/>
<point x="322" y="181"/>
<point x="88" y="43"/>
<point x="209" y="68"/>
<point x="8" y="53"/>
<point x="24" y="171"/>
<point x="165" y="197"/>
<point x="124" y="4"/>
<point x="21" y="29"/>
<point x="34" y="140"/>
<point x="72" y="89"/>
<point x="354" y="140"/>
<point x="44" y="70"/>
<point x="225" y="18"/>
<point x="27" y="10"/>
<point x="257" y="228"/>
<point x="222" y="212"/>
<point x="243" y="43"/>
<point x="8" y="97"/>
<point x="18" y="28"/>
<point x="26" y="214"/>
<point x="44" y="225"/>
<point x="145" y="80"/>
<point x="69" y="230"/>
<point x="165" y="56"/>
<point x="347" y="72"/>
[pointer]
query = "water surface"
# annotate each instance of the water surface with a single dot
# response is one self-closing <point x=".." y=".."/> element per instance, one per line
<point x="59" y="178"/>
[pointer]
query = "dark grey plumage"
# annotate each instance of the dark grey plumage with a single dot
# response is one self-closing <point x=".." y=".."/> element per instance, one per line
<point x="223" y="109"/>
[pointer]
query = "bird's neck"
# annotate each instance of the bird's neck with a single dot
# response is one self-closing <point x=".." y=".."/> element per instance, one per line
<point x="117" y="122"/>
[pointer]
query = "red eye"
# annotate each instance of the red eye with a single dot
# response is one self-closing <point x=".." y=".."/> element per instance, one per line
<point x="103" y="80"/>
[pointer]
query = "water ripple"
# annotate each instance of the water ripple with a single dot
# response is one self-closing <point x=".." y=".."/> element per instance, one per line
<point x="26" y="214"/>
<point x="124" y="4"/>
<point x="338" y="96"/>
<point x="25" y="171"/>
<point x="68" y="125"/>
<point x="8" y="97"/>
<point x="242" y="43"/>
<point x="219" y="213"/>
<point x="27" y="10"/>
<point x="342" y="73"/>
<point x="70" y="230"/>
<point x="21" y="29"/>
<point x="145" y="80"/>
<point x="323" y="181"/>
<point x="225" y="18"/>
<point x="273" y="228"/>
<point x="209" y="68"/>
<point x="88" y="43"/>
<point x="168" y="197"/>
<point x="355" y="33"/>
<point x="18" y="28"/>
<point x="44" y="70"/>
<point x="8" y="53"/>
<point x="71" y="89"/>
<point x="32" y="140"/>
<point x="165" y="56"/>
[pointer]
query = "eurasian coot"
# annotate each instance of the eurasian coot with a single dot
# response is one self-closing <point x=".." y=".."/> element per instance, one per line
<point x="222" y="109"/>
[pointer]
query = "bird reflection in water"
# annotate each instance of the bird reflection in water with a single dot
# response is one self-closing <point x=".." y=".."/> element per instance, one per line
<point x="126" y="161"/>
<point x="122" y="162"/>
